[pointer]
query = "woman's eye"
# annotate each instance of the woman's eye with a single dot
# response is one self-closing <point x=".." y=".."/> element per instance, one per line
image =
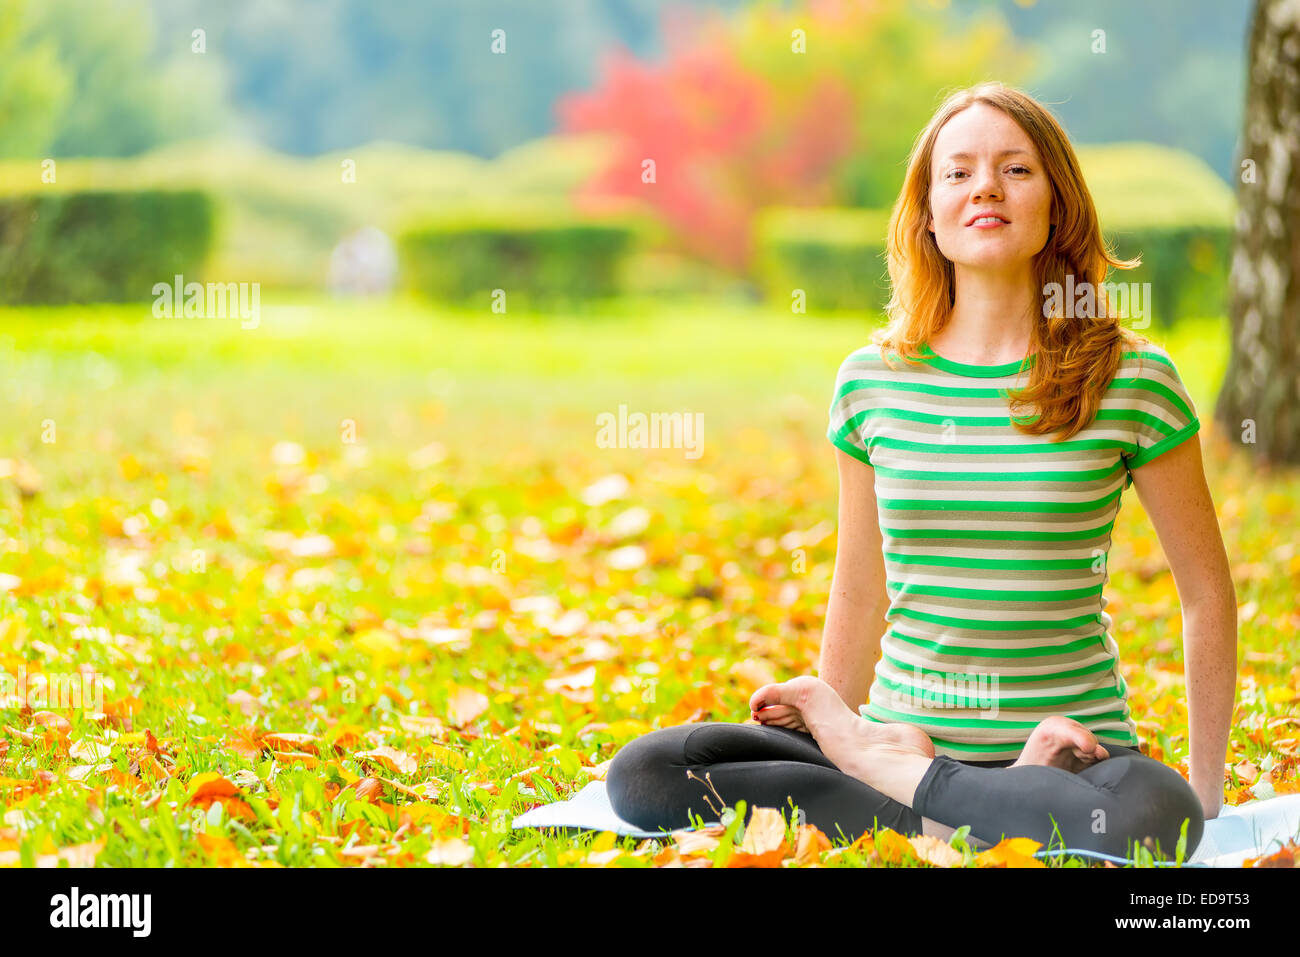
<point x="1021" y="169"/>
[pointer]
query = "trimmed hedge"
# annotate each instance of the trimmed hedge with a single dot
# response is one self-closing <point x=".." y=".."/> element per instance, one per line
<point x="1187" y="267"/>
<point x="542" y="259"/>
<point x="837" y="256"/>
<point x="101" y="246"/>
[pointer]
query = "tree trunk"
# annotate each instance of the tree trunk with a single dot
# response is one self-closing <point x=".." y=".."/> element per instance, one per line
<point x="1259" y="405"/>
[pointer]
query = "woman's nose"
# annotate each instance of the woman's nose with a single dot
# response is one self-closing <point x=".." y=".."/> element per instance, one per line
<point x="987" y="186"/>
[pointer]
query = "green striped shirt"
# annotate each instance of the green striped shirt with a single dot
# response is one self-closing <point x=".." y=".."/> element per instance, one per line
<point x="995" y="543"/>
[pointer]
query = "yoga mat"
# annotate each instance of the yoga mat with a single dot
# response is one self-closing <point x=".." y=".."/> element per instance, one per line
<point x="1239" y="832"/>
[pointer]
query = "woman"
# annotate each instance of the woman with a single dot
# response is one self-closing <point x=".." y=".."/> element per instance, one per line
<point x="976" y="534"/>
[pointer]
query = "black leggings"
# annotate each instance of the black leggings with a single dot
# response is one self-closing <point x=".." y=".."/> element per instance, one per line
<point x="1106" y="807"/>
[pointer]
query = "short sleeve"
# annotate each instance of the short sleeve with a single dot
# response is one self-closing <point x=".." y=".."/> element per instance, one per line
<point x="1165" y="416"/>
<point x="848" y="407"/>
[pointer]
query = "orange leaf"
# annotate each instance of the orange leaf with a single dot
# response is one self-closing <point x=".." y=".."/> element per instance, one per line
<point x="55" y="722"/>
<point x="1011" y="852"/>
<point x="399" y="762"/>
<point x="288" y="741"/>
<point x="297" y="757"/>
<point x="892" y="847"/>
<point x="465" y="704"/>
<point x="772" y="858"/>
<point x="1287" y="856"/>
<point x="222" y="851"/>
<point x="212" y="785"/>
<point x="810" y="844"/>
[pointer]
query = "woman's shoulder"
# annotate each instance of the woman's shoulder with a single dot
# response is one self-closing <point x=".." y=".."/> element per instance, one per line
<point x="1146" y="360"/>
<point x="875" y="356"/>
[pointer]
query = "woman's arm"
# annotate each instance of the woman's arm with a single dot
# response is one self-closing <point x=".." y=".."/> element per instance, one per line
<point x="1173" y="491"/>
<point x="855" y="612"/>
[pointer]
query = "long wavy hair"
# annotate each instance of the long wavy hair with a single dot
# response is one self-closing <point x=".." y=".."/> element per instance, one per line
<point x="1076" y="357"/>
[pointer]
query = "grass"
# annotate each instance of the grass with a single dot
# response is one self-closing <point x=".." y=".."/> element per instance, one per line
<point x="362" y="527"/>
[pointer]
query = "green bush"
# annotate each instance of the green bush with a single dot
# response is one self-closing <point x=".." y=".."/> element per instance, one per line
<point x="100" y="246"/>
<point x="1187" y="267"/>
<point x="1161" y="204"/>
<point x="838" y="258"/>
<point x="541" y="258"/>
<point x="835" y="256"/>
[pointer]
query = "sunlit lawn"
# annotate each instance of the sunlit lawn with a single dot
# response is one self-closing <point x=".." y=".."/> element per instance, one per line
<point x="363" y="586"/>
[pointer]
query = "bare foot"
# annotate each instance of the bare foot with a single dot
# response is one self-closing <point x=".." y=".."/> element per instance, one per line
<point x="889" y="757"/>
<point x="1061" y="742"/>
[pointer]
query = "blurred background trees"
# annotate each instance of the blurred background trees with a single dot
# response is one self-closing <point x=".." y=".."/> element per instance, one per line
<point x="776" y="132"/>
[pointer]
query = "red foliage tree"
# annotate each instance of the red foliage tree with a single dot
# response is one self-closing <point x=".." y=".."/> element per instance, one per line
<point x="724" y="141"/>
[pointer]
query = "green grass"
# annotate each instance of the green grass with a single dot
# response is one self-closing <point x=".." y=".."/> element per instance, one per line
<point x="164" y="432"/>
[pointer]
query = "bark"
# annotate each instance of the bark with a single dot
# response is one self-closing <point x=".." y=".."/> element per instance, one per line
<point x="1262" y="385"/>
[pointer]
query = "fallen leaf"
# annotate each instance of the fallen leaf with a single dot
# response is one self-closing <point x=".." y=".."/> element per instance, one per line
<point x="211" y="784"/>
<point x="934" y="851"/>
<point x="764" y="832"/>
<point x="288" y="741"/>
<point x="399" y="762"/>
<point x="465" y="704"/>
<point x="451" y="851"/>
<point x="245" y="702"/>
<point x="810" y="843"/>
<point x="1011" y="852"/>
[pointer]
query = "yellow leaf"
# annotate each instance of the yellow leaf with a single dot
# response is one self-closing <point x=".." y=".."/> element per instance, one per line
<point x="378" y="643"/>
<point x="627" y="728"/>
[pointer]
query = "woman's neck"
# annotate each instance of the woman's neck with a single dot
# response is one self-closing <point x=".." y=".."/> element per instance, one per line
<point x="991" y="321"/>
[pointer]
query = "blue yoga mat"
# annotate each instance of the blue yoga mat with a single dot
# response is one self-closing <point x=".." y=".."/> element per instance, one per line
<point x="1246" y="830"/>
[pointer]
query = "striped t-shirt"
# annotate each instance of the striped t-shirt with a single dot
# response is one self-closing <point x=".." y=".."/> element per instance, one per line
<point x="995" y="543"/>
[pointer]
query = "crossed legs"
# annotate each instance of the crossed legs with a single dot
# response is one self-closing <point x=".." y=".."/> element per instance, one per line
<point x="849" y="775"/>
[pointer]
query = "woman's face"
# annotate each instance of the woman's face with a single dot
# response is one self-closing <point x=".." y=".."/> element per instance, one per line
<point x="984" y="163"/>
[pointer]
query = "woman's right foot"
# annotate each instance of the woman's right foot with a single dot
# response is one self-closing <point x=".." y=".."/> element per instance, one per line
<point x="1061" y="742"/>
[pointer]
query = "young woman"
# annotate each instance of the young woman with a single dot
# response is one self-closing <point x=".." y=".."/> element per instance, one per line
<point x="976" y="535"/>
